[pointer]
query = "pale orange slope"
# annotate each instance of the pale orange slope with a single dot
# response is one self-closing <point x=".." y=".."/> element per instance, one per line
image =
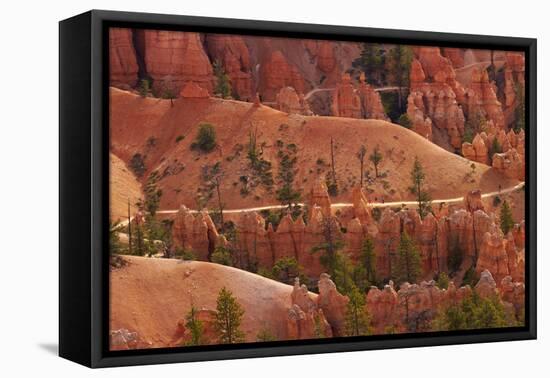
<point x="150" y="295"/>
<point x="151" y="126"/>
<point x="123" y="187"/>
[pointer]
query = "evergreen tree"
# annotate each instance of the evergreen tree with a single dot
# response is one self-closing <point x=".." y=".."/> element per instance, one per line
<point x="265" y="335"/>
<point x="357" y="320"/>
<point x="506" y="218"/>
<point x="152" y="194"/>
<point x="345" y="273"/>
<point x="229" y="315"/>
<point x="330" y="246"/>
<point x="144" y="88"/>
<point x="361" y="156"/>
<point x="287" y="269"/>
<point x="368" y="260"/>
<point x="319" y="329"/>
<point x="114" y="241"/>
<point x="520" y="108"/>
<point x="195" y="326"/>
<point x="418" y="178"/>
<point x="399" y="67"/>
<point x="168" y="89"/>
<point x="212" y="177"/>
<point x="371" y="62"/>
<point x="287" y="194"/>
<point x="409" y="267"/>
<point x="376" y="158"/>
<point x="473" y="312"/>
<point x="222" y="255"/>
<point x="223" y="84"/>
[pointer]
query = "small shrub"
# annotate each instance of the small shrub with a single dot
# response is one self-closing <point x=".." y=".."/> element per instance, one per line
<point x="496" y="201"/>
<point x="405" y="121"/>
<point x="144" y="88"/>
<point x="205" y="140"/>
<point x="185" y="254"/>
<point x="222" y="255"/>
<point x="137" y="164"/>
<point x="470" y="277"/>
<point x="179" y="138"/>
<point x="442" y="280"/>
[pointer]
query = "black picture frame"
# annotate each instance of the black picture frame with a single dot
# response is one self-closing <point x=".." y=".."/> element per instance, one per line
<point x="83" y="182"/>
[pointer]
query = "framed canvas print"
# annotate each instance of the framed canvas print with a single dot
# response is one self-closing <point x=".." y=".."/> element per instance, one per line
<point x="234" y="188"/>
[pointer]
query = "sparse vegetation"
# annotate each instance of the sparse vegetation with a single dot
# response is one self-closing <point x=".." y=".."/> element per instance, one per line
<point x="223" y="84"/>
<point x="185" y="254"/>
<point x="115" y="247"/>
<point x="286" y="193"/>
<point x="195" y="326"/>
<point x="455" y="256"/>
<point x="442" y="281"/>
<point x="259" y="167"/>
<point x="520" y="108"/>
<point x="368" y="260"/>
<point x="495" y="147"/>
<point x="265" y="335"/>
<point x="357" y="321"/>
<point x="361" y="156"/>
<point x="168" y="89"/>
<point x="144" y="88"/>
<point x="331" y="245"/>
<point x="398" y="64"/>
<point x="205" y="141"/>
<point x="506" y="218"/>
<point x="472" y="312"/>
<point x="418" y="178"/>
<point x="137" y="164"/>
<point x="211" y="177"/>
<point x="470" y="277"/>
<point x="408" y="267"/>
<point x="222" y="255"/>
<point x="405" y="121"/>
<point x="372" y="63"/>
<point x="229" y="315"/>
<point x="376" y="158"/>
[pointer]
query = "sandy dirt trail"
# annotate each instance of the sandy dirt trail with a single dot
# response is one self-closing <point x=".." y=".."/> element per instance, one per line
<point x="373" y="204"/>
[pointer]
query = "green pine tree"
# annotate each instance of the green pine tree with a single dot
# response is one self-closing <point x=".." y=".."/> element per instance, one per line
<point x="506" y="218"/>
<point x="115" y="246"/>
<point x="265" y="335"/>
<point x="222" y="255"/>
<point x="229" y="315"/>
<point x="195" y="326"/>
<point x="330" y="246"/>
<point x="371" y="62"/>
<point x="520" y="108"/>
<point x="376" y="158"/>
<point x="357" y="320"/>
<point x="423" y="198"/>
<point x="398" y="64"/>
<point x="223" y="84"/>
<point x="368" y="260"/>
<point x="287" y="194"/>
<point x="409" y="267"/>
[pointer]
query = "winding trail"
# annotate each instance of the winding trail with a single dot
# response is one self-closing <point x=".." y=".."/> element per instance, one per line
<point x="372" y="204"/>
<point x="381" y="89"/>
